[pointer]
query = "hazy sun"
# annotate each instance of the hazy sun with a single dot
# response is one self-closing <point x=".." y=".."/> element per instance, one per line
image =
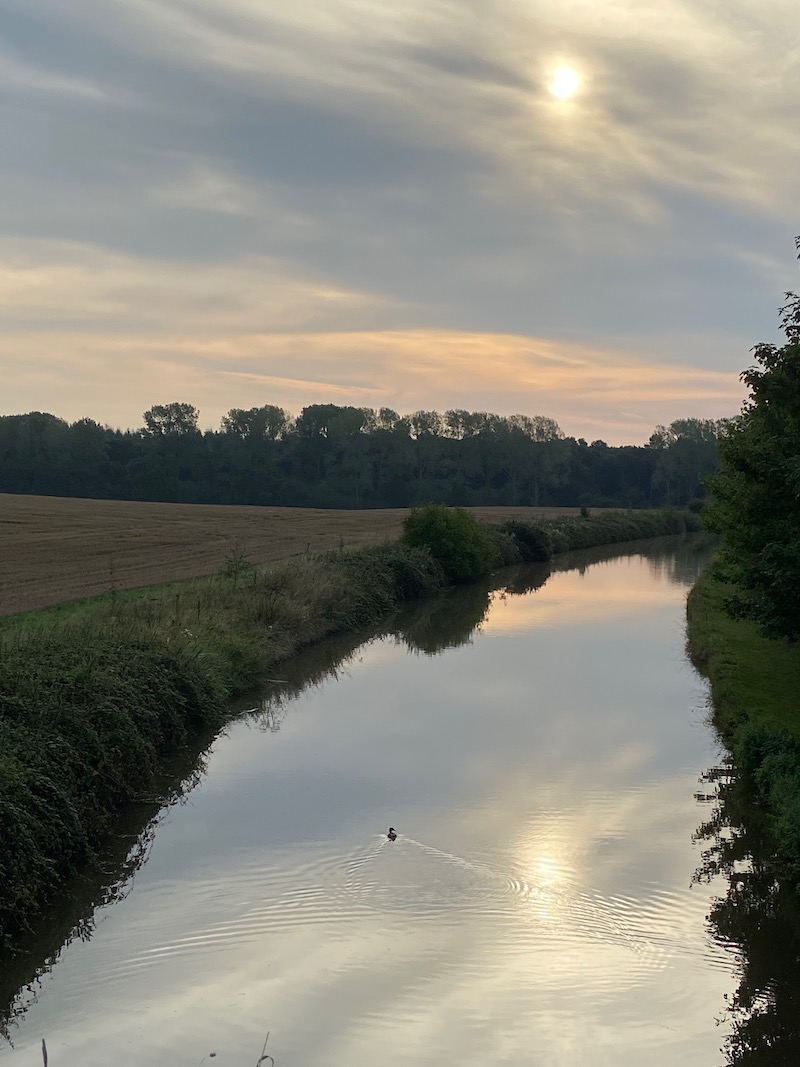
<point x="565" y="82"/>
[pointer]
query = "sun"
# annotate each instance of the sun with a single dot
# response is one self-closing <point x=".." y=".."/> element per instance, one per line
<point x="564" y="83"/>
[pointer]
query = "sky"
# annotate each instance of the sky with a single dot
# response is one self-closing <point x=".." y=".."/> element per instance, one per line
<point x="244" y="202"/>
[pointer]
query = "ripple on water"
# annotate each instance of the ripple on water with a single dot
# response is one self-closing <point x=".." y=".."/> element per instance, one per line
<point x="409" y="878"/>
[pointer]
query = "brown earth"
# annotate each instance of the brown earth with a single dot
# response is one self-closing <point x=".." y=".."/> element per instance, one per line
<point x="54" y="549"/>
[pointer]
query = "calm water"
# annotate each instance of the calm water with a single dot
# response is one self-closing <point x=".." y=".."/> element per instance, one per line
<point x="538" y="907"/>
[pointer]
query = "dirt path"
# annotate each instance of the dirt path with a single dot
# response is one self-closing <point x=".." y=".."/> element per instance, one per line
<point x="54" y="549"/>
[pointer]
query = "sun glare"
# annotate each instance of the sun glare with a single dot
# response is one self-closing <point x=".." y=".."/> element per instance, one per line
<point x="564" y="83"/>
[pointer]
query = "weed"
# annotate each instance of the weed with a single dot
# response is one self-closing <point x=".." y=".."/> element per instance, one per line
<point x="236" y="565"/>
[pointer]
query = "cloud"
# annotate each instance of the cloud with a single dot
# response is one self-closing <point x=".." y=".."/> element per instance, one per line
<point x="66" y="284"/>
<point x="591" y="392"/>
<point x="212" y="171"/>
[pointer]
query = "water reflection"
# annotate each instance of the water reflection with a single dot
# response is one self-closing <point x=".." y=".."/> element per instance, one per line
<point x="760" y="920"/>
<point x="108" y="880"/>
<point x="678" y="560"/>
<point x="577" y="793"/>
<point x="451" y="620"/>
<point x="429" y="626"/>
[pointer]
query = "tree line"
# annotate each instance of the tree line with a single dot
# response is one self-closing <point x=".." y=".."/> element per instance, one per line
<point x="332" y="456"/>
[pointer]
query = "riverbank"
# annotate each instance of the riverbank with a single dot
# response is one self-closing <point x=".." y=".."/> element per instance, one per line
<point x="95" y="696"/>
<point x="755" y="683"/>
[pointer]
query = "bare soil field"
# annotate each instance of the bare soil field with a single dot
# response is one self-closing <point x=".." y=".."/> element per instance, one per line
<point x="54" y="549"/>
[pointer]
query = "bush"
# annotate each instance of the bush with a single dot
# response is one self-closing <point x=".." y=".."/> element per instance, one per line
<point x="507" y="550"/>
<point x="532" y="539"/>
<point x="453" y="537"/>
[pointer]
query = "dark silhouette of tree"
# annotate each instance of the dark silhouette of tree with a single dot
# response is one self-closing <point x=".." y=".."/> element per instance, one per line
<point x="756" y="493"/>
<point x="267" y="423"/>
<point x="174" y="419"/>
<point x="349" y="457"/>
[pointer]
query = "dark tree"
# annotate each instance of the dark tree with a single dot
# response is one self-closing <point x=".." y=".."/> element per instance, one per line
<point x="171" y="419"/>
<point x="756" y="495"/>
<point x="267" y="423"/>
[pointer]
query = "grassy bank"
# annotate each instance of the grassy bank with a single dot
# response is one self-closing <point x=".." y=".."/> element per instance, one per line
<point x="755" y="683"/>
<point x="96" y="695"/>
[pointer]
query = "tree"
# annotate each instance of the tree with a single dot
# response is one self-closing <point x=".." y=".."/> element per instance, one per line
<point x="685" y="454"/>
<point x="267" y="423"/>
<point x="756" y="495"/>
<point x="175" y="420"/>
<point x="331" y="421"/>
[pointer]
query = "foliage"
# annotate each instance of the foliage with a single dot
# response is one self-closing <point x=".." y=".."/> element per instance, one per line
<point x="615" y="527"/>
<point x="454" y="538"/>
<point x="538" y="541"/>
<point x="505" y="546"/>
<point x="756" y="494"/>
<point x="442" y="530"/>
<point x="267" y="423"/>
<point x="686" y="454"/>
<point x="754" y="685"/>
<point x="171" y="420"/>
<point x="533" y="540"/>
<point x="350" y="457"/>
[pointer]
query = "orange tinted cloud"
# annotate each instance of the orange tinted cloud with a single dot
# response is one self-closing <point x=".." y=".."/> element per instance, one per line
<point x="592" y="392"/>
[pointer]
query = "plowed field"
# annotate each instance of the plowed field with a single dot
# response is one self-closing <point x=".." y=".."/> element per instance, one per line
<point x="54" y="549"/>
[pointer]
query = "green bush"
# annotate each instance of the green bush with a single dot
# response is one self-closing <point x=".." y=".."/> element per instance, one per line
<point x="538" y="541"/>
<point x="507" y="551"/>
<point x="532" y="539"/>
<point x="453" y="537"/>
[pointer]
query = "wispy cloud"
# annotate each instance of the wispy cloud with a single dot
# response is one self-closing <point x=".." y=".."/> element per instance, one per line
<point x="592" y="393"/>
<point x="63" y="283"/>
<point x="194" y="169"/>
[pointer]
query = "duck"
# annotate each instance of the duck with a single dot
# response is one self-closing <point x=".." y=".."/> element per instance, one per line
<point x="392" y="835"/>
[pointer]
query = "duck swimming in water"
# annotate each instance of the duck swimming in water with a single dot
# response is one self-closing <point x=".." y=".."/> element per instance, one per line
<point x="392" y="835"/>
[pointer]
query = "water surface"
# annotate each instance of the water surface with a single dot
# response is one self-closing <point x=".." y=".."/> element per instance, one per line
<point x="538" y="906"/>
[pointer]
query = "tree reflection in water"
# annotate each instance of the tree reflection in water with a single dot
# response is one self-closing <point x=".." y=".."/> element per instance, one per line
<point x="759" y="918"/>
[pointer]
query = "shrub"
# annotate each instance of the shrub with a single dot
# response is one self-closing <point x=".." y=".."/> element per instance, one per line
<point x="507" y="550"/>
<point x="532" y="539"/>
<point x="453" y="537"/>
